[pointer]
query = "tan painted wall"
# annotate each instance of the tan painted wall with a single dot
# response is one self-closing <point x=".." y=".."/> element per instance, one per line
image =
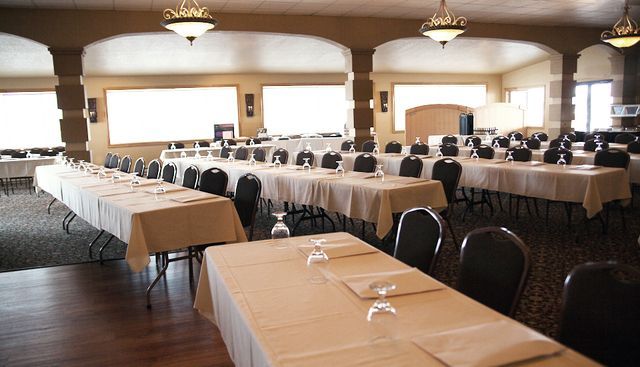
<point x="594" y="64"/>
<point x="383" y="82"/>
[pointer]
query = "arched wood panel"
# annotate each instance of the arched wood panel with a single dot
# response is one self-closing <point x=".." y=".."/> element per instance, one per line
<point x="433" y="119"/>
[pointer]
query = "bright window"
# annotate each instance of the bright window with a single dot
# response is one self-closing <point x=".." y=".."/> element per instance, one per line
<point x="297" y="109"/>
<point x="407" y="96"/>
<point x="171" y="114"/>
<point x="532" y="101"/>
<point x="592" y="106"/>
<point x="29" y="120"/>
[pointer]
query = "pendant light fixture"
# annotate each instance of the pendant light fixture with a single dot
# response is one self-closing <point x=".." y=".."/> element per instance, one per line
<point x="443" y="26"/>
<point x="188" y="19"/>
<point x="625" y="33"/>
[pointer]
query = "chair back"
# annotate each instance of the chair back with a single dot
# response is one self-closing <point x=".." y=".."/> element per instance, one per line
<point x="484" y="151"/>
<point x="520" y="154"/>
<point x="259" y="154"/>
<point x="494" y="265"/>
<point x="177" y="145"/>
<point x="169" y="172"/>
<point x="114" y="162"/>
<point x="449" y="139"/>
<point x="591" y="145"/>
<point x="283" y="154"/>
<point x="346" y="145"/>
<point x="242" y="153"/>
<point x="448" y="172"/>
<point x="552" y="155"/>
<point x="393" y="147"/>
<point x="474" y="140"/>
<point x="612" y="158"/>
<point x="449" y="150"/>
<point x="596" y="136"/>
<point x="214" y="181"/>
<point x="568" y="136"/>
<point x="107" y="160"/>
<point x="531" y="143"/>
<point x="633" y="147"/>
<point x="503" y="141"/>
<point x="419" y="239"/>
<point x="305" y="154"/>
<point x="368" y="146"/>
<point x="560" y="142"/>
<point x="125" y="165"/>
<point x="230" y="141"/>
<point x="202" y="144"/>
<point x="422" y="149"/>
<point x="542" y="136"/>
<point x="153" y="171"/>
<point x="59" y="149"/>
<point x="517" y="135"/>
<point x="246" y="198"/>
<point x="624" y="138"/>
<point x="224" y="152"/>
<point x="190" y="177"/>
<point x="138" y="167"/>
<point x="19" y="154"/>
<point x="49" y="153"/>
<point x="411" y="166"/>
<point x="284" y="138"/>
<point x="255" y="140"/>
<point x="365" y="162"/>
<point x="329" y="160"/>
<point x="600" y="313"/>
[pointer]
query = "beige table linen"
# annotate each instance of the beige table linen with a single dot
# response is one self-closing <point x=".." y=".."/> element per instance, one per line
<point x="357" y="195"/>
<point x="215" y="151"/>
<point x="23" y="167"/>
<point x="147" y="223"/>
<point x="407" y="281"/>
<point x="270" y="314"/>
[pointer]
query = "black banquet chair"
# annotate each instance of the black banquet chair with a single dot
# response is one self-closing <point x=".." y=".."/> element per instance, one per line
<point x="153" y="171"/>
<point x="201" y="144"/>
<point x="531" y="143"/>
<point x="421" y="233"/>
<point x="449" y="139"/>
<point x="346" y="145"/>
<point x="177" y="145"/>
<point x="559" y="143"/>
<point x="259" y="154"/>
<point x="246" y="198"/>
<point x="494" y="265"/>
<point x="419" y="148"/>
<point x="368" y="146"/>
<point x="190" y="177"/>
<point x="242" y="153"/>
<point x="282" y="154"/>
<point x="224" y="152"/>
<point x="484" y="151"/>
<point x="600" y="313"/>
<point x="138" y="167"/>
<point x="393" y="147"/>
<point x="107" y="160"/>
<point x="500" y="142"/>
<point x="624" y="138"/>
<point x="411" y="166"/>
<point x="305" y="154"/>
<point x="114" y="162"/>
<point x="596" y="136"/>
<point x="568" y="136"/>
<point x="449" y="150"/>
<point x="592" y="144"/>
<point x="612" y="157"/>
<point x="448" y="172"/>
<point x="474" y="140"/>
<point x="552" y="155"/>
<point x="516" y="135"/>
<point x="125" y="164"/>
<point x="633" y="147"/>
<point x="169" y="172"/>
<point x="519" y="154"/>
<point x="214" y="181"/>
<point x="330" y="160"/>
<point x="542" y="136"/>
<point x="365" y="162"/>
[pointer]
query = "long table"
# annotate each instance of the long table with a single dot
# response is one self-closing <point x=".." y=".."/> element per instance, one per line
<point x="357" y="195"/>
<point x="178" y="219"/>
<point x="259" y="296"/>
<point x="23" y="167"/>
<point x="215" y="151"/>
<point x="590" y="187"/>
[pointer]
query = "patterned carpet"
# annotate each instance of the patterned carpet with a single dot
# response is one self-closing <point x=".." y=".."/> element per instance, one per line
<point x="29" y="237"/>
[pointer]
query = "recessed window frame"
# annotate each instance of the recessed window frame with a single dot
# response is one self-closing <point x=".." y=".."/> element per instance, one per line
<point x="155" y="143"/>
<point x="590" y="83"/>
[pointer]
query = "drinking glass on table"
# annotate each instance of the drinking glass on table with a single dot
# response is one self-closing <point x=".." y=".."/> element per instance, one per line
<point x="328" y="148"/>
<point x="209" y="155"/>
<point x="251" y="142"/>
<point x="509" y="156"/>
<point x="417" y="140"/>
<point x="29" y="153"/>
<point x="439" y="152"/>
<point x="561" y="160"/>
<point x="135" y="181"/>
<point x="382" y="317"/>
<point x="230" y="158"/>
<point x="183" y="155"/>
<point x="115" y="176"/>
<point x="340" y="169"/>
<point x="317" y="257"/>
<point x="306" y="166"/>
<point x="599" y="146"/>
<point x="173" y="146"/>
<point x="226" y="144"/>
<point x="470" y="144"/>
<point x="280" y="230"/>
<point x="496" y="144"/>
<point x="309" y="148"/>
<point x="475" y="155"/>
<point x="379" y="172"/>
<point x="159" y="190"/>
<point x="252" y="160"/>
<point x="352" y="149"/>
<point x="101" y="173"/>
<point x="277" y="162"/>
<point x="376" y="150"/>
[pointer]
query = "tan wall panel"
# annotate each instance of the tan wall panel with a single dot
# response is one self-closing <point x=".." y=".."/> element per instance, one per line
<point x="437" y="119"/>
<point x="74" y="130"/>
<point x="71" y="97"/>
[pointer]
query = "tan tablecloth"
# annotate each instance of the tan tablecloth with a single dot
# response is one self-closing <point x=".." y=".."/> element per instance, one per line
<point x="355" y="195"/>
<point x="215" y="151"/>
<point x="178" y="219"/>
<point x="23" y="167"/>
<point x="270" y="314"/>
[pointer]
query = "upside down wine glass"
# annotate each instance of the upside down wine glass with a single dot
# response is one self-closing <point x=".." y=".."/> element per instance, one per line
<point x="376" y="150"/>
<point x="252" y="160"/>
<point x="340" y="169"/>
<point x="352" y="149"/>
<point x="251" y="142"/>
<point x="277" y="163"/>
<point x="317" y="257"/>
<point x="509" y="156"/>
<point x="230" y="158"/>
<point x="159" y="190"/>
<point x="306" y="166"/>
<point x="226" y="144"/>
<point x="475" y="155"/>
<point x="382" y="317"/>
<point x="470" y="143"/>
<point x="439" y="152"/>
<point x="496" y="144"/>
<point x="417" y="140"/>
<point x="328" y="148"/>
<point x="135" y="181"/>
<point x="280" y="230"/>
<point x="599" y="146"/>
<point x="173" y="146"/>
<point x="209" y="155"/>
<point x="379" y="172"/>
<point x="561" y="160"/>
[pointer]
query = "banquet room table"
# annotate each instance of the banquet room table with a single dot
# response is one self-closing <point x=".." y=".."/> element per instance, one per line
<point x="22" y="167"/>
<point x="297" y="145"/>
<point x="175" y="220"/>
<point x="434" y="140"/>
<point x="274" y="310"/>
<point x="589" y="185"/>
<point x="215" y="151"/>
<point x="357" y="195"/>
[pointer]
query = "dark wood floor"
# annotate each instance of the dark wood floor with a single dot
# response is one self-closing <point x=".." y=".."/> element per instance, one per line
<point x="93" y="315"/>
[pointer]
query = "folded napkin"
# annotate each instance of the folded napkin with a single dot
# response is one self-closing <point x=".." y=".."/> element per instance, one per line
<point x="192" y="195"/>
<point x="492" y="344"/>
<point x="145" y="182"/>
<point x="584" y="167"/>
<point x="407" y="281"/>
<point x="168" y="188"/>
<point x="335" y="250"/>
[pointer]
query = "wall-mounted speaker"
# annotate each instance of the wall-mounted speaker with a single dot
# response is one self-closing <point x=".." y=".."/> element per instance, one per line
<point x="248" y="99"/>
<point x="384" y="101"/>
<point x="92" y="106"/>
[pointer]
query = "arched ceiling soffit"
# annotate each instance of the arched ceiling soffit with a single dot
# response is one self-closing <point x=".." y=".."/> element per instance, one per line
<point x="78" y="28"/>
<point x="460" y="56"/>
<point x="218" y="52"/>
<point x="21" y="57"/>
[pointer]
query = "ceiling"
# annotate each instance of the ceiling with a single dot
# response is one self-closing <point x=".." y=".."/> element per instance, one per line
<point x="598" y="13"/>
<point x="246" y="52"/>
